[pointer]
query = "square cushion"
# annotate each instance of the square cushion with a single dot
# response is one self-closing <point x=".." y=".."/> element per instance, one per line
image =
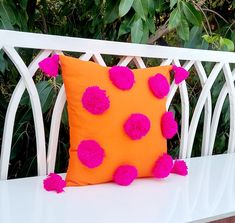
<point x="107" y="130"/>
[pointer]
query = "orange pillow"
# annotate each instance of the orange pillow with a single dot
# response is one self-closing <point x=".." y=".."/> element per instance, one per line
<point x="115" y="121"/>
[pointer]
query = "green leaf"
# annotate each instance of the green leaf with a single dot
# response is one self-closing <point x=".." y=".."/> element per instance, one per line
<point x="140" y="8"/>
<point x="137" y="31"/>
<point x="211" y="38"/>
<point x="175" y="19"/>
<point x="124" y="7"/>
<point x="172" y="3"/>
<point x="151" y="25"/>
<point x="125" y="26"/>
<point x="111" y="13"/>
<point x="45" y="92"/>
<point x="192" y="15"/>
<point x="233" y="3"/>
<point x="195" y="39"/>
<point x="145" y="36"/>
<point x="2" y="62"/>
<point x="7" y="15"/>
<point x="97" y="2"/>
<point x="226" y="44"/>
<point x="64" y="118"/>
<point x="159" y="5"/>
<point x="151" y="6"/>
<point x="183" y="30"/>
<point x="23" y="4"/>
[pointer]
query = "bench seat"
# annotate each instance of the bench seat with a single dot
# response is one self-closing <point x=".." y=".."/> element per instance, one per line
<point x="207" y="193"/>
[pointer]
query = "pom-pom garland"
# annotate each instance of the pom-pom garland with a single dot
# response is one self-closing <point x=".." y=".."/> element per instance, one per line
<point x="169" y="126"/>
<point x="54" y="182"/>
<point x="122" y="77"/>
<point x="180" y="74"/>
<point x="124" y="175"/>
<point x="90" y="153"/>
<point x="137" y="126"/>
<point x="180" y="168"/>
<point x="50" y="65"/>
<point x="95" y="100"/>
<point x="159" y="86"/>
<point x="163" y="166"/>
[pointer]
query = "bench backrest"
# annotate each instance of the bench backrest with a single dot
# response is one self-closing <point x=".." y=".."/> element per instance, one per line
<point x="191" y="59"/>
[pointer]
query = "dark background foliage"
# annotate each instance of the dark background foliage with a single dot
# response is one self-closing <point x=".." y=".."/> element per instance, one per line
<point x="185" y="23"/>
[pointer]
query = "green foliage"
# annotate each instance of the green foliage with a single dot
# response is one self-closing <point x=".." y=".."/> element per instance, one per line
<point x="186" y="23"/>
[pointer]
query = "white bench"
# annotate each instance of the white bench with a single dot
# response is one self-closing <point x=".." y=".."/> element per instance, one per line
<point x="207" y="193"/>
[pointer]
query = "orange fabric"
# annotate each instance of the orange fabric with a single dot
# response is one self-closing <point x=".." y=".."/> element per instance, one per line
<point x="107" y="128"/>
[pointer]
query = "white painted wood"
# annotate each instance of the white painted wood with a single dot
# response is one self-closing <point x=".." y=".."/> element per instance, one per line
<point x="231" y="92"/>
<point x="124" y="61"/>
<point x="54" y="130"/>
<point x="72" y="44"/>
<point x="206" y="194"/>
<point x="139" y="62"/>
<point x="216" y="115"/>
<point x="98" y="59"/>
<point x="56" y="118"/>
<point x="184" y="116"/>
<point x="201" y="101"/>
<point x="207" y="110"/>
<point x="174" y="86"/>
<point x="11" y="112"/>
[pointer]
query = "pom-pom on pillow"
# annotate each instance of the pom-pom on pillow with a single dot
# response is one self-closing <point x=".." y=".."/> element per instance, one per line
<point x="115" y="118"/>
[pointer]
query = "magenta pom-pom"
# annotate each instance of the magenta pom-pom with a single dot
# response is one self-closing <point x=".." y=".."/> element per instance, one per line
<point x="125" y="174"/>
<point x="180" y="168"/>
<point x="169" y="126"/>
<point x="90" y="153"/>
<point x="180" y="74"/>
<point x="122" y="77"/>
<point x="50" y="65"/>
<point x="137" y="126"/>
<point x="95" y="100"/>
<point x="159" y="86"/>
<point x="54" y="182"/>
<point x="163" y="166"/>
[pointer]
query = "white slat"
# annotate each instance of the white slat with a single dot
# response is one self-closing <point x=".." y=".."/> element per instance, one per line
<point x="184" y="116"/>
<point x="56" y="119"/>
<point x="217" y="113"/>
<point x="201" y="101"/>
<point x="174" y="86"/>
<point x="72" y="44"/>
<point x="37" y="115"/>
<point x="207" y="110"/>
<point x="11" y="113"/>
<point x="124" y="61"/>
<point x="139" y="62"/>
<point x="231" y="93"/>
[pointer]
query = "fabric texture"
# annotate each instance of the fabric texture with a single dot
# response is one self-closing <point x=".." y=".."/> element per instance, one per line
<point x="113" y="123"/>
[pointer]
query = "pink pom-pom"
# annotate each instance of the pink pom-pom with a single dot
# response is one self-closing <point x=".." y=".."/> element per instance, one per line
<point x="163" y="166"/>
<point x="54" y="182"/>
<point x="180" y="168"/>
<point x="122" y="77"/>
<point x="180" y="74"/>
<point x="137" y="126"/>
<point x="124" y="175"/>
<point x="90" y="153"/>
<point x="159" y="85"/>
<point x="50" y="65"/>
<point x="168" y="125"/>
<point x="95" y="100"/>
